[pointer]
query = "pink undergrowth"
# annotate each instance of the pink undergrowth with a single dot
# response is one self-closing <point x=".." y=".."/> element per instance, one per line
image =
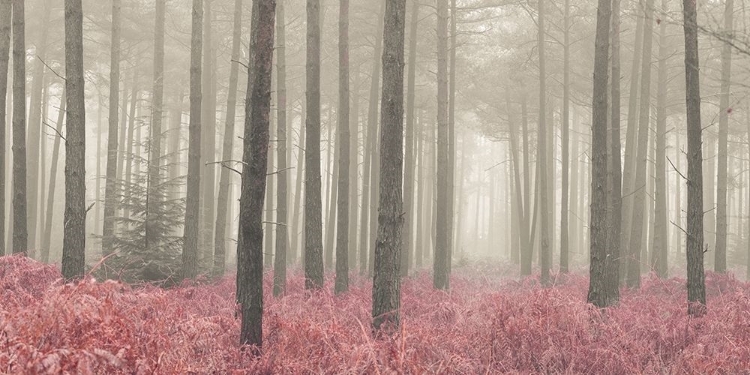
<point x="485" y="324"/>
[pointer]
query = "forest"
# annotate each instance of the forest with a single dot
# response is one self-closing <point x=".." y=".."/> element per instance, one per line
<point x="367" y="187"/>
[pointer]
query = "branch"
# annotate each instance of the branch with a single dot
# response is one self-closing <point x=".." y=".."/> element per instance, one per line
<point x="241" y="63"/>
<point x="279" y="171"/>
<point x="58" y="133"/>
<point x="274" y="223"/>
<point x="50" y="68"/>
<point x="223" y="164"/>
<point x="677" y="170"/>
<point x="90" y="207"/>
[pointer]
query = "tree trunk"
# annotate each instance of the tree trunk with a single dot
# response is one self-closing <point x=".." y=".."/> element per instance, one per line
<point x="677" y="231"/>
<point x="47" y="239"/>
<point x="174" y="142"/>
<point x="268" y="206"/>
<point x="544" y="248"/>
<point x="20" y="233"/>
<point x="112" y="140"/>
<point x="257" y="124"/>
<point x="282" y="236"/>
<point x="227" y="146"/>
<point x="441" y="271"/>
<point x="696" y="278"/>
<point x="344" y="140"/>
<point x="154" y="168"/>
<point x="333" y="177"/>
<point x="353" y="171"/>
<point x="564" y="245"/>
<point x="408" y="233"/>
<point x="5" y="26"/>
<point x="313" y="204"/>
<point x="420" y="198"/>
<point x="633" y="278"/>
<point x="386" y="290"/>
<point x="208" y="138"/>
<point x="135" y="98"/>
<point x="720" y="262"/>
<point x="451" y="135"/>
<point x="192" y="203"/>
<point x="527" y="253"/>
<point x="660" y="250"/>
<point x="297" y="233"/>
<point x="614" y="217"/>
<point x="521" y="201"/>
<point x="74" y="239"/>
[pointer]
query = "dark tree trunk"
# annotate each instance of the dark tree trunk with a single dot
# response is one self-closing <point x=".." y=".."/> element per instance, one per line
<point x="227" y="146"/>
<point x="313" y="203"/>
<point x="282" y="235"/>
<point x="5" y="26"/>
<point x="441" y="271"/>
<point x="633" y="278"/>
<point x="344" y="140"/>
<point x="192" y="203"/>
<point x="47" y="239"/>
<point x="257" y="119"/>
<point x="110" y="188"/>
<point x="386" y="289"/>
<point x="612" y="265"/>
<point x="564" y="245"/>
<point x="720" y="262"/>
<point x="659" y="254"/>
<point x="20" y="232"/>
<point x="598" y="267"/>
<point x="696" y="278"/>
<point x="74" y="238"/>
<point x="408" y="234"/>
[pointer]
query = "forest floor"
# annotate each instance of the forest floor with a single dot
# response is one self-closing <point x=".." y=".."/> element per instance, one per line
<point x="485" y="324"/>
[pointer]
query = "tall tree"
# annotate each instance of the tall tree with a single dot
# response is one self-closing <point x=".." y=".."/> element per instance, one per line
<point x="192" y="204"/>
<point x="227" y="146"/>
<point x="74" y="232"/>
<point x="47" y="239"/>
<point x="386" y="289"/>
<point x="598" y="222"/>
<point x="659" y="253"/>
<point x="154" y="169"/>
<point x="20" y="232"/>
<point x="344" y="140"/>
<point x="282" y="235"/>
<point x="564" y="245"/>
<point x="452" y="134"/>
<point x="110" y="188"/>
<point x="208" y="136"/>
<point x="696" y="278"/>
<point x="544" y="248"/>
<point x="257" y="118"/>
<point x="5" y="26"/>
<point x="612" y="263"/>
<point x="720" y="261"/>
<point x="313" y="202"/>
<point x="441" y="271"/>
<point x="633" y="277"/>
<point x="410" y="162"/>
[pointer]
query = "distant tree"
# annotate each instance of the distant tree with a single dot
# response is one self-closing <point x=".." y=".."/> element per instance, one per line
<point x="74" y="239"/>
<point x="386" y="289"/>
<point x="344" y="140"/>
<point x="283" y="138"/>
<point x="5" y="26"/>
<point x="612" y="268"/>
<point x="720" y="262"/>
<point x="441" y="272"/>
<point x="313" y="203"/>
<point x="112" y="141"/>
<point x="659" y="252"/>
<point x="257" y="117"/>
<point x="410" y="163"/>
<point x="696" y="278"/>
<point x="544" y="246"/>
<point x="598" y="221"/>
<point x="192" y="204"/>
<point x="208" y="138"/>
<point x="20" y="233"/>
<point x="227" y="146"/>
<point x="47" y="239"/>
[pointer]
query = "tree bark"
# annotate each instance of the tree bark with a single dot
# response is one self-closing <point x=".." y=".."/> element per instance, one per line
<point x="659" y="254"/>
<point x="74" y="238"/>
<point x="612" y="264"/>
<point x="192" y="203"/>
<point x="696" y="278"/>
<point x="227" y="146"/>
<point x="5" y="27"/>
<point x="441" y="271"/>
<point x="633" y="278"/>
<point x="282" y="196"/>
<point x="386" y="290"/>
<point x="20" y="232"/>
<point x="112" y="140"/>
<point x="344" y="140"/>
<point x="720" y="262"/>
<point x="313" y="203"/>
<point x="257" y="119"/>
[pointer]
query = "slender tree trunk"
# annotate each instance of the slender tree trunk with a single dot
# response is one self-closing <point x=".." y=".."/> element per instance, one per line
<point x="282" y="236"/>
<point x="659" y="255"/>
<point x="5" y="27"/>
<point x="313" y="204"/>
<point x="677" y="231"/>
<point x="135" y="95"/>
<point x="520" y="200"/>
<point x="298" y="205"/>
<point x="257" y="124"/>
<point x="720" y="262"/>
<point x="353" y="171"/>
<point x="544" y="248"/>
<point x="192" y="203"/>
<point x="442" y="259"/>
<point x="575" y="215"/>
<point x="74" y="239"/>
<point x="420" y="198"/>
<point x="228" y="145"/>
<point x="20" y="233"/>
<point x="451" y="134"/>
<point x="154" y="169"/>
<point x="344" y="139"/>
<point x="614" y="217"/>
<point x="408" y="233"/>
<point x="386" y="290"/>
<point x="268" y="206"/>
<point x="208" y="137"/>
<point x="696" y="278"/>
<point x="527" y="254"/>
<point x="174" y="142"/>
<point x="110" y="189"/>
<point x="47" y="239"/>
<point x="633" y="277"/>
<point x="564" y="241"/>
